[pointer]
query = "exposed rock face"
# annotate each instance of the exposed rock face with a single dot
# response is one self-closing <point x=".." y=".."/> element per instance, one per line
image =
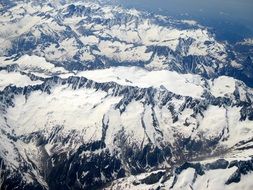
<point x="98" y="97"/>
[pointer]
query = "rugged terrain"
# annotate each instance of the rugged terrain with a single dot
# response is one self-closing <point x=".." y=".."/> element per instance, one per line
<point x="94" y="96"/>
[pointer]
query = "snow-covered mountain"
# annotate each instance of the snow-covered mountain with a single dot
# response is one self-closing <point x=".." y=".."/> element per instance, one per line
<point x="94" y="96"/>
<point x="88" y="35"/>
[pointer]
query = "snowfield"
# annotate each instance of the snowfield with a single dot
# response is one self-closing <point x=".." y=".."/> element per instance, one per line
<point x="15" y="79"/>
<point x="95" y="96"/>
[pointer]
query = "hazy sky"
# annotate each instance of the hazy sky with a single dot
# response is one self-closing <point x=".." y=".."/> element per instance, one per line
<point x="239" y="8"/>
<point x="233" y="14"/>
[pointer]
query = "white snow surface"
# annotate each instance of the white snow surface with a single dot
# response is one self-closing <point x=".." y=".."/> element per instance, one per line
<point x="15" y="79"/>
<point x="85" y="110"/>
<point x="223" y="86"/>
<point x="186" y="85"/>
<point x="81" y="110"/>
<point x="37" y="63"/>
<point x="211" y="180"/>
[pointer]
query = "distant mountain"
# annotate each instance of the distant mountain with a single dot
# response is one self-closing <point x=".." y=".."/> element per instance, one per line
<point x="88" y="36"/>
<point x="94" y="96"/>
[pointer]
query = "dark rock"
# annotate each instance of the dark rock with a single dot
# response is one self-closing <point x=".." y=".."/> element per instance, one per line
<point x="234" y="178"/>
<point x="218" y="164"/>
<point x="153" y="178"/>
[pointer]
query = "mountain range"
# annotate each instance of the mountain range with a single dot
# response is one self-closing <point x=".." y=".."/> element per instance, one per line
<point x="96" y="96"/>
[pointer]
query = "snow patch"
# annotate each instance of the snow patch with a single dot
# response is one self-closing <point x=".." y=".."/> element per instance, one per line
<point x="223" y="86"/>
<point x="183" y="84"/>
<point x="15" y="79"/>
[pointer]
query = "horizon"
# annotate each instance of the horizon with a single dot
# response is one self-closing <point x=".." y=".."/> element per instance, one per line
<point x="214" y="14"/>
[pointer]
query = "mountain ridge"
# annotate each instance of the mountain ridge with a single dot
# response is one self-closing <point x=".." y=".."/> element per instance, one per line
<point x="94" y="96"/>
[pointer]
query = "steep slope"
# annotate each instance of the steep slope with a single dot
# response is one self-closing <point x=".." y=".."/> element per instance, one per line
<point x="120" y="130"/>
<point x="99" y="97"/>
